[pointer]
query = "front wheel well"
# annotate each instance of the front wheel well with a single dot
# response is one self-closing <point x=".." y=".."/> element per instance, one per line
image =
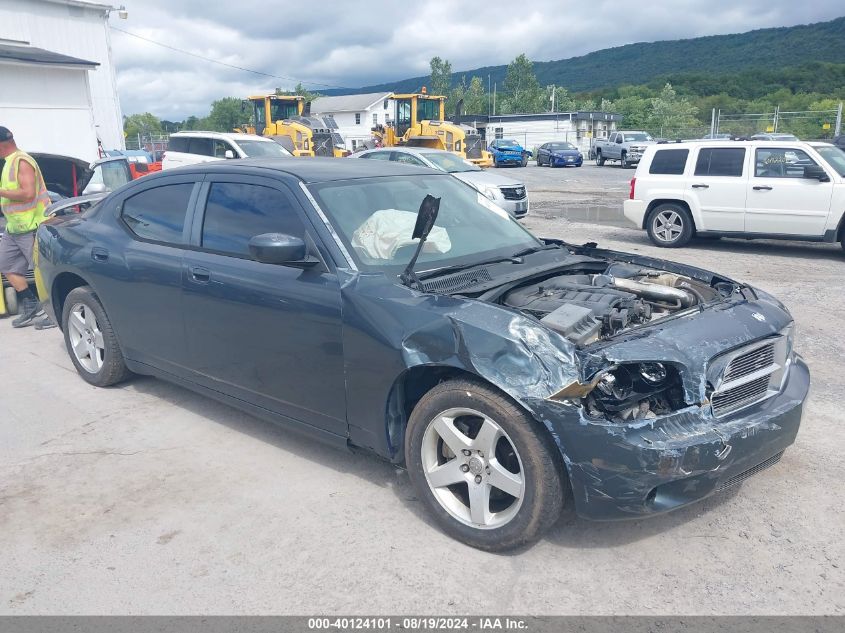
<point x="62" y="286"/>
<point x="656" y="203"/>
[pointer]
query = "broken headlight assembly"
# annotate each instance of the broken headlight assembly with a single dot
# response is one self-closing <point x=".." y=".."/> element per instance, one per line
<point x="635" y="391"/>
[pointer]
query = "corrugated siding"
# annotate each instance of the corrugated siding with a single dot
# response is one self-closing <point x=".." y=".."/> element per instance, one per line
<point x="81" y="33"/>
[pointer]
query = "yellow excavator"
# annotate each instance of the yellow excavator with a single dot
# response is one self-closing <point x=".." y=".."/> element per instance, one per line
<point x="287" y="120"/>
<point x="419" y="121"/>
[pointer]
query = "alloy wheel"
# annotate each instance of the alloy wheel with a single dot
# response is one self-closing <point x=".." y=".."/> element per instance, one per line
<point x="473" y="468"/>
<point x="86" y="338"/>
<point x="668" y="226"/>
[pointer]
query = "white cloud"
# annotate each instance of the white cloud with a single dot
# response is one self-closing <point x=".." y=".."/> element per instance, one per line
<point x="372" y="41"/>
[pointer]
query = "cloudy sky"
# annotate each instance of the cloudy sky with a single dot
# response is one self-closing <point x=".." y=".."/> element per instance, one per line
<point x="343" y="43"/>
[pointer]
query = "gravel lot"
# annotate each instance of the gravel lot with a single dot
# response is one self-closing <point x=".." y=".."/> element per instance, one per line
<point x="148" y="499"/>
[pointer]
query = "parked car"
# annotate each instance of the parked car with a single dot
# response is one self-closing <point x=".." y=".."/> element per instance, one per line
<point x="191" y="148"/>
<point x="768" y="136"/>
<point x="508" y="152"/>
<point x="839" y="141"/>
<point x="383" y="307"/>
<point x="508" y="193"/>
<point x="559" y="154"/>
<point x="783" y="190"/>
<point x="626" y="146"/>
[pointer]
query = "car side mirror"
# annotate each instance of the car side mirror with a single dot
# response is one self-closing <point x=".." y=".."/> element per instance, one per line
<point x="619" y="140"/>
<point x="229" y="154"/>
<point x="815" y="172"/>
<point x="279" y="248"/>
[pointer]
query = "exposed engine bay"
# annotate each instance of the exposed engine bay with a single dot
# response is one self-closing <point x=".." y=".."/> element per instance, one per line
<point x="586" y="308"/>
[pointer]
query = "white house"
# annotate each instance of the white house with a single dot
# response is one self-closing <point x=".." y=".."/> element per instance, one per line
<point x="356" y="115"/>
<point x="532" y="130"/>
<point x="59" y="91"/>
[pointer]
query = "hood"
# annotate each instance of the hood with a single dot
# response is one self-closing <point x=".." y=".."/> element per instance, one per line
<point x="59" y="172"/>
<point x="515" y="148"/>
<point x="487" y="179"/>
<point x="566" y="152"/>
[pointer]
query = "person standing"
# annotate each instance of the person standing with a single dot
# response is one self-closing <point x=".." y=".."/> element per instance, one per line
<point x="23" y="200"/>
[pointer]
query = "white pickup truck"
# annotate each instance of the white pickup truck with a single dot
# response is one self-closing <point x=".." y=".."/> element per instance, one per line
<point x="750" y="189"/>
<point x="626" y="146"/>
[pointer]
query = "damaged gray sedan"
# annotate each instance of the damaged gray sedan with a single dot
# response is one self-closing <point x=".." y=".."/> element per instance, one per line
<point x="396" y="310"/>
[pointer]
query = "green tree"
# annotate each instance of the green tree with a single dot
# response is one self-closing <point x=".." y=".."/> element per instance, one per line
<point x="441" y="76"/>
<point x="522" y="90"/>
<point x="225" y="114"/>
<point x="144" y="124"/>
<point x="301" y="91"/>
<point x="473" y="94"/>
<point x="671" y="114"/>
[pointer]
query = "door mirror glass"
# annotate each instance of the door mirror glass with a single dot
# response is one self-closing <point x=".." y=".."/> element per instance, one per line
<point x="229" y="154"/>
<point x="277" y="248"/>
<point x="816" y="172"/>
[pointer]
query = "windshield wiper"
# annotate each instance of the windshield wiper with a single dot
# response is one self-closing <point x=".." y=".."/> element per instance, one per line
<point x="535" y="249"/>
<point x="516" y="258"/>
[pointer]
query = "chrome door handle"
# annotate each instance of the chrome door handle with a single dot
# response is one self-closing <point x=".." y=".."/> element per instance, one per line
<point x="99" y="254"/>
<point x="200" y="275"/>
<point x="762" y="188"/>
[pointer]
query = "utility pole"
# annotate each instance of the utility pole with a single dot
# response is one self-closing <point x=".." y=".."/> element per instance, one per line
<point x="777" y="112"/>
<point x="488" y="95"/>
<point x="838" y="129"/>
<point x="494" y="99"/>
<point x="713" y="124"/>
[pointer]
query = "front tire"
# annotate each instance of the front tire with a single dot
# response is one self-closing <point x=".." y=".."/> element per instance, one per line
<point x="623" y="160"/>
<point x="90" y="339"/>
<point x="670" y="225"/>
<point x="487" y="471"/>
<point x="524" y="162"/>
<point x="599" y="159"/>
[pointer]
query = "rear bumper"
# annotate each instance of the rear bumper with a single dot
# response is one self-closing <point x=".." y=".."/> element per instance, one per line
<point x="635" y="210"/>
<point x="633" y="471"/>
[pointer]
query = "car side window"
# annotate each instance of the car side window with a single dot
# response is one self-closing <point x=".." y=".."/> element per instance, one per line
<point x="236" y="212"/>
<point x="221" y="147"/>
<point x="177" y="144"/>
<point x="378" y="156"/>
<point x="669" y="162"/>
<point x="158" y="214"/>
<point x="408" y="159"/>
<point x="201" y="146"/>
<point x="781" y="162"/>
<point x="720" y="161"/>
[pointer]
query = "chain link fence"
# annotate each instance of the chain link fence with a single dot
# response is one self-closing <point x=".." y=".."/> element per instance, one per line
<point x="805" y="124"/>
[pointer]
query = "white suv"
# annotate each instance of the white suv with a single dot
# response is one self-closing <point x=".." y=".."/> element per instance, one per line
<point x="751" y="189"/>
<point x="191" y="148"/>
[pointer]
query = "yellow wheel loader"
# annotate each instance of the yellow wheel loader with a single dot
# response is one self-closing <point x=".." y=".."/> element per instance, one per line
<point x="419" y="121"/>
<point x="287" y="120"/>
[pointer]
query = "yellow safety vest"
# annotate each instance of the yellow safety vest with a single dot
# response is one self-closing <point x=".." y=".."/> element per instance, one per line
<point x="25" y="216"/>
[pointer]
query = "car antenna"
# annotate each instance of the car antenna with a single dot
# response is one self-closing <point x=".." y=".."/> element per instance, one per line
<point x="426" y="217"/>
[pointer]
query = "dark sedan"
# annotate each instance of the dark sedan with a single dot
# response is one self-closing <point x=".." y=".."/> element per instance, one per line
<point x="559" y="154"/>
<point x="393" y="309"/>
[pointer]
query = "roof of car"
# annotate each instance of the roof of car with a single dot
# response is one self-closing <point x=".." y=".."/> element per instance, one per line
<point x="407" y="150"/>
<point x="313" y="169"/>
<point x="235" y="136"/>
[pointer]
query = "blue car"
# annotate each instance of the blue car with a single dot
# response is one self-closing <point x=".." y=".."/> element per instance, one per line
<point x="559" y="154"/>
<point x="508" y="152"/>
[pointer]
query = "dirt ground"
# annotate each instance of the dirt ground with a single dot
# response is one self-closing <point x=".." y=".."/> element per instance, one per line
<point x="149" y="499"/>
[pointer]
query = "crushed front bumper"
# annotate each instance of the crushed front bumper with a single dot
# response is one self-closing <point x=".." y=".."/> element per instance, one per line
<point x="653" y="466"/>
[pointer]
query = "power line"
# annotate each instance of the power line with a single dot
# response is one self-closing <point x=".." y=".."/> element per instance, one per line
<point x="215" y="61"/>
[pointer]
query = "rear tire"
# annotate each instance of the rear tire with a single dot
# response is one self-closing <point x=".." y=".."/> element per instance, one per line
<point x="524" y="162"/>
<point x="670" y="225"/>
<point x="11" y="298"/>
<point x="90" y="339"/>
<point x="599" y="159"/>
<point x="495" y="443"/>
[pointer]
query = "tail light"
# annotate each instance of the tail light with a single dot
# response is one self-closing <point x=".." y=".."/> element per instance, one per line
<point x="633" y="186"/>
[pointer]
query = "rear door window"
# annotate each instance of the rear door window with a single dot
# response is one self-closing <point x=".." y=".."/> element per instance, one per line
<point x="720" y="161"/>
<point x="158" y="214"/>
<point x="236" y="212"/>
<point x="669" y="162"/>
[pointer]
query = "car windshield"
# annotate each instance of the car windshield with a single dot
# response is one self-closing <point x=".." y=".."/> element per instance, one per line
<point x="637" y="136"/>
<point x="263" y="149"/>
<point x="374" y="218"/>
<point x="561" y="146"/>
<point x="450" y="162"/>
<point x="507" y="144"/>
<point x="834" y="157"/>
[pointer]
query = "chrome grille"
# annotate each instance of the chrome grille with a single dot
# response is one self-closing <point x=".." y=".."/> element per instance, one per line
<point x="749" y="375"/>
<point x="513" y="193"/>
<point x="750" y="362"/>
<point x="741" y="396"/>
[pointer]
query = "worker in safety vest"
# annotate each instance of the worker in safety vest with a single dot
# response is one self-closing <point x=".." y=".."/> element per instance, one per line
<point x="23" y="199"/>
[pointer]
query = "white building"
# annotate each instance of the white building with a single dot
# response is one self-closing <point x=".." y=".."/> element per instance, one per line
<point x="356" y="115"/>
<point x="48" y="96"/>
<point x="532" y="130"/>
